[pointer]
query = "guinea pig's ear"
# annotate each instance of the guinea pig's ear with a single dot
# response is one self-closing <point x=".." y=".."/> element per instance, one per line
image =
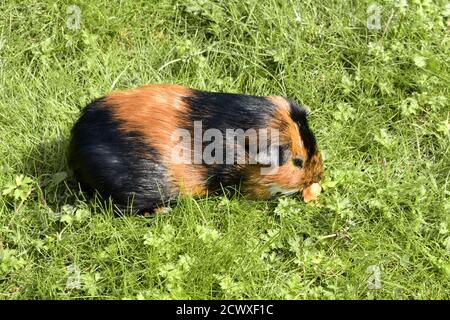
<point x="302" y="108"/>
<point x="276" y="155"/>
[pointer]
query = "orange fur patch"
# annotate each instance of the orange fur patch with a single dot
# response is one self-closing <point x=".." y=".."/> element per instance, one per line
<point x="156" y="111"/>
<point x="289" y="133"/>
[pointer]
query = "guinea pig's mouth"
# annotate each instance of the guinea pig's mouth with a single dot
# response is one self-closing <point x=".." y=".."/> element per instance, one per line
<point x="277" y="190"/>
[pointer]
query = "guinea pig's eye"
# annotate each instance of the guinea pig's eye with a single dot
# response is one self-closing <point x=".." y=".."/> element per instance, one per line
<point x="298" y="162"/>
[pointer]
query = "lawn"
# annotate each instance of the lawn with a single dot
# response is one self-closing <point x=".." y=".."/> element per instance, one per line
<point x="375" y="76"/>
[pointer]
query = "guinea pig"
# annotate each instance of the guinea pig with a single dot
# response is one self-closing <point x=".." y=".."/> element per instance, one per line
<point x="147" y="146"/>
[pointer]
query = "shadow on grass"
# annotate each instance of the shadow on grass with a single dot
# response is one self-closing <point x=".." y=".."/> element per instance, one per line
<point x="56" y="186"/>
<point x="46" y="164"/>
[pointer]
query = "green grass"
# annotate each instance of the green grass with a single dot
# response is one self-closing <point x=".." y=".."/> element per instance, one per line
<point x="380" y="111"/>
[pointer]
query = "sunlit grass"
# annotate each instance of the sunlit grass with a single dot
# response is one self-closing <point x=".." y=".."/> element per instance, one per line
<point x="380" y="111"/>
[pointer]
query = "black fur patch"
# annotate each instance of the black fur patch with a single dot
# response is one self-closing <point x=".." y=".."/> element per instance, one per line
<point x="283" y="154"/>
<point x="227" y="111"/>
<point x="298" y="115"/>
<point x="116" y="164"/>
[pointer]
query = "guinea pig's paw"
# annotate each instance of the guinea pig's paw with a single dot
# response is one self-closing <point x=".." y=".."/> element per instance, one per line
<point x="312" y="192"/>
<point x="158" y="212"/>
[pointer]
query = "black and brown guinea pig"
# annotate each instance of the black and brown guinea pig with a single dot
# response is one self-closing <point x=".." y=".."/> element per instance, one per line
<point x="145" y="147"/>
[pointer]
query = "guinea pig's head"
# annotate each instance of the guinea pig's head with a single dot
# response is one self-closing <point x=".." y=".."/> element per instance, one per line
<point x="300" y="167"/>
